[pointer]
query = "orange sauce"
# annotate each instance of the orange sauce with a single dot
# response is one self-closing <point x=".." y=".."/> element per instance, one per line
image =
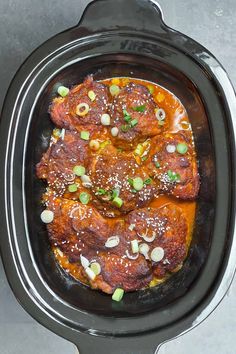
<point x="174" y="109"/>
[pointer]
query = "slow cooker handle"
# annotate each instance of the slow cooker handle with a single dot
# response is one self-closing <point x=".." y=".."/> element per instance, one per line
<point x="138" y="15"/>
<point x="150" y="343"/>
<point x="88" y="344"/>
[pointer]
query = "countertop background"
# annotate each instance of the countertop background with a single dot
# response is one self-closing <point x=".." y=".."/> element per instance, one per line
<point x="26" y="24"/>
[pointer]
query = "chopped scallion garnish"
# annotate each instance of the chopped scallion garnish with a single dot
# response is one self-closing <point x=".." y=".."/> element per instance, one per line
<point x="125" y="128"/>
<point x="72" y="188"/>
<point x="101" y="191"/>
<point x="115" y="193"/>
<point x="140" y="108"/>
<point x="173" y="176"/>
<point x="63" y="91"/>
<point x="92" y="95"/>
<point x="79" y="171"/>
<point x="118" y="202"/>
<point x="138" y="183"/>
<point x="130" y="181"/>
<point x="118" y="294"/>
<point x="127" y="116"/>
<point x="148" y="181"/>
<point x="133" y="123"/>
<point x="84" y="197"/>
<point x="182" y="148"/>
<point x="114" y="90"/>
<point x="134" y="246"/>
<point x="84" y="135"/>
<point x="157" y="164"/>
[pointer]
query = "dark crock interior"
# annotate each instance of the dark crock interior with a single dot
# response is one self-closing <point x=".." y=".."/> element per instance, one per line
<point x="70" y="291"/>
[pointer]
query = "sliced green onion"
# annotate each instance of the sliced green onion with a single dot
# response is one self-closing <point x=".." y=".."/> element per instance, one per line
<point x="84" y="197"/>
<point x="92" y="95"/>
<point x="101" y="191"/>
<point x="86" y="181"/>
<point x="47" y="216"/>
<point x="157" y="164"/>
<point x="148" y="181"/>
<point x="56" y="132"/>
<point x="79" y="170"/>
<point x="118" y="202"/>
<point x="131" y="227"/>
<point x="125" y="128"/>
<point x="115" y="193"/>
<point x="82" y="109"/>
<point x="84" y="135"/>
<point x="144" y="158"/>
<point x="173" y="176"/>
<point x="105" y="119"/>
<point x="112" y="242"/>
<point x="140" y="108"/>
<point x="118" y="294"/>
<point x="72" y="188"/>
<point x="182" y="148"/>
<point x="134" y="246"/>
<point x="160" y="114"/>
<point x="90" y="273"/>
<point x="62" y="135"/>
<point x="84" y="261"/>
<point x="139" y="150"/>
<point x="63" y="91"/>
<point x="143" y="249"/>
<point x="170" y="148"/>
<point x="151" y="89"/>
<point x="114" y="131"/>
<point x="133" y="123"/>
<point x="96" y="268"/>
<point x="94" y="145"/>
<point x="133" y="191"/>
<point x="131" y="182"/>
<point x="138" y="183"/>
<point x="127" y="118"/>
<point x="157" y="254"/>
<point x="114" y="90"/>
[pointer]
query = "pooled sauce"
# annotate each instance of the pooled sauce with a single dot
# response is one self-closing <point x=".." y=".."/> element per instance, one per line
<point x="167" y="200"/>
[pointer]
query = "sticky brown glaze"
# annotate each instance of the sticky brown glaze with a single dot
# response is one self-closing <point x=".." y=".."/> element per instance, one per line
<point x="164" y="208"/>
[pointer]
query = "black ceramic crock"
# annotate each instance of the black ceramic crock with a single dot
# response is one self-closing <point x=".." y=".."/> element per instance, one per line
<point x="118" y="38"/>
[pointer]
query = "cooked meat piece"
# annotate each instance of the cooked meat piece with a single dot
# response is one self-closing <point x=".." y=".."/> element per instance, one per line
<point x="133" y="112"/>
<point x="58" y="162"/>
<point x="118" y="272"/>
<point x="79" y="229"/>
<point x="113" y="171"/>
<point x="176" y="172"/>
<point x="169" y="226"/>
<point x="83" y="228"/>
<point x="63" y="110"/>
